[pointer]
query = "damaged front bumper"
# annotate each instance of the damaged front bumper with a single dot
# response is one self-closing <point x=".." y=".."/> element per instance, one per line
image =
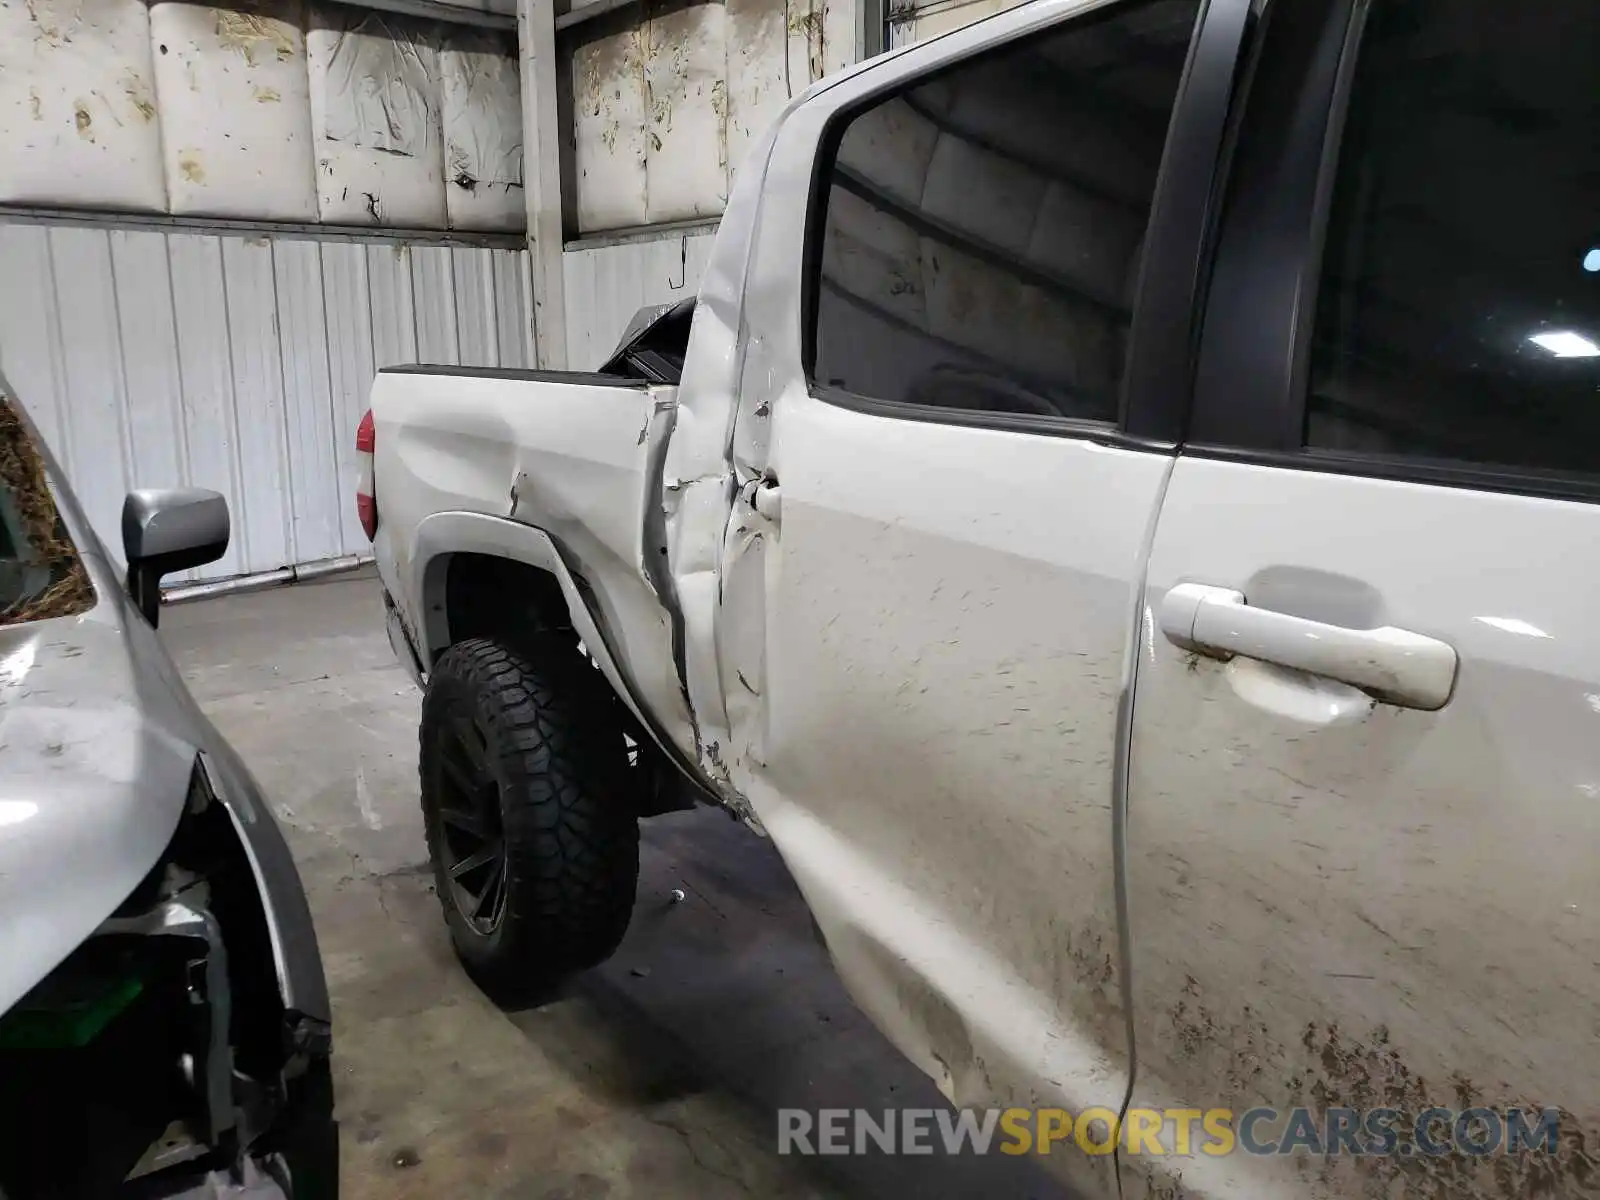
<point x="170" y="1054"/>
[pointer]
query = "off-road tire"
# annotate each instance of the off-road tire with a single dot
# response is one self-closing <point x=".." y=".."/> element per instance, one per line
<point x="554" y="748"/>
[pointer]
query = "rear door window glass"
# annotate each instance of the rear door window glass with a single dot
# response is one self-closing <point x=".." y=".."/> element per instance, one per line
<point x="983" y="228"/>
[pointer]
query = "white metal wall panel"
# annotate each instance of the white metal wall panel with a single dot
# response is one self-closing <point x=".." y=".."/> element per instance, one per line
<point x="157" y="440"/>
<point x="80" y="261"/>
<point x="476" y="328"/>
<point x="433" y="283"/>
<point x="239" y="363"/>
<point x="606" y="285"/>
<point x="309" y="416"/>
<point x="235" y="104"/>
<point x="352" y="312"/>
<point x="251" y="292"/>
<point x="513" y="306"/>
<point x="30" y="317"/>
<point x="205" y="396"/>
<point x="394" y="314"/>
<point x="77" y="105"/>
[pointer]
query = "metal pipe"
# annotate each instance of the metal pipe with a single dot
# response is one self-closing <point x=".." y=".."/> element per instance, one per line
<point x="238" y="227"/>
<point x="264" y="579"/>
<point x="330" y="566"/>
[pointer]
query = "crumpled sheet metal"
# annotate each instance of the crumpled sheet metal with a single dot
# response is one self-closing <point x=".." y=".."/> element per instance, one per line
<point x="699" y="476"/>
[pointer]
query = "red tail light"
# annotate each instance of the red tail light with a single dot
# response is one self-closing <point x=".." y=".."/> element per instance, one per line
<point x="367" y="512"/>
<point x="366" y="500"/>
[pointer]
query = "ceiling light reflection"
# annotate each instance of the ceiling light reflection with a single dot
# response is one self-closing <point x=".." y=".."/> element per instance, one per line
<point x="1514" y="625"/>
<point x="1564" y="343"/>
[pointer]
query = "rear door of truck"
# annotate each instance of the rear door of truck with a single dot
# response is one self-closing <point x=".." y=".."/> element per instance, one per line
<point x="946" y="482"/>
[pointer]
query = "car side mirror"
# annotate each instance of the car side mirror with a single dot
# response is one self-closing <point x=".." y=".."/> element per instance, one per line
<point x="166" y="530"/>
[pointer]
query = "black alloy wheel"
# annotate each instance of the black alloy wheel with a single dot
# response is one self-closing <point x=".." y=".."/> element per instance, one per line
<point x="472" y="837"/>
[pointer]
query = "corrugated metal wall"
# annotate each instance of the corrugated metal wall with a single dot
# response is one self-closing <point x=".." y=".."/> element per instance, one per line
<point x="606" y="285"/>
<point x="242" y="363"/>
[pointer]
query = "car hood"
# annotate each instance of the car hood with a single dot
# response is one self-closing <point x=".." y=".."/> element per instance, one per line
<point x="95" y="763"/>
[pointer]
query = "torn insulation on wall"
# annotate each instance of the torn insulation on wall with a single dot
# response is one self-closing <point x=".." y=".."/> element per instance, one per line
<point x="759" y="78"/>
<point x="686" y="91"/>
<point x="77" y="105"/>
<point x="482" y="132"/>
<point x="376" y="111"/>
<point x="235" y="104"/>
<point x="665" y="111"/>
<point x="608" y="107"/>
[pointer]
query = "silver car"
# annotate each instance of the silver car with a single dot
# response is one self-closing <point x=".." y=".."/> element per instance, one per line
<point x="164" y="1020"/>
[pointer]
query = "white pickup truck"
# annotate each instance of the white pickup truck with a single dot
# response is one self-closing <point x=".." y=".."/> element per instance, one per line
<point x="1120" y="514"/>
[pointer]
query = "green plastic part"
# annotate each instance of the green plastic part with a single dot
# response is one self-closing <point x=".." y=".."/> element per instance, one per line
<point x="66" y="1013"/>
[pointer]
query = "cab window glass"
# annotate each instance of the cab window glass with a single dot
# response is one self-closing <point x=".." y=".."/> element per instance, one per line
<point x="41" y="574"/>
<point x="982" y="229"/>
<point x="1459" y="308"/>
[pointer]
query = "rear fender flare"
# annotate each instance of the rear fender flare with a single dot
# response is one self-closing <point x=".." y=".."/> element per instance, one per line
<point x="442" y="535"/>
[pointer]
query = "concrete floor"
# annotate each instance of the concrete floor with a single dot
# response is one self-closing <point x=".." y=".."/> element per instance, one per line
<point x="658" y="1074"/>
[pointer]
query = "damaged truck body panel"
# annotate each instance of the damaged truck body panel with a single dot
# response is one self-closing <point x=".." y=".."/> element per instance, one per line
<point x="484" y="478"/>
<point x="893" y="542"/>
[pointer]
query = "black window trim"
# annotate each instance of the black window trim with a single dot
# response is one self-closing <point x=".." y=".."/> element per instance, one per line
<point x="1257" y="290"/>
<point x="521" y="374"/>
<point x="1252" y="385"/>
<point x="1163" y="327"/>
<point x="1526" y="481"/>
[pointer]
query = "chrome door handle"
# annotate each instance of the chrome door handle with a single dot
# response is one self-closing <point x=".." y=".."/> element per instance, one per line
<point x="1395" y="665"/>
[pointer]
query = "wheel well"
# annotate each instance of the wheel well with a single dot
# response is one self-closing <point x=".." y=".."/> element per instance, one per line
<point x="515" y="603"/>
<point x="500" y="598"/>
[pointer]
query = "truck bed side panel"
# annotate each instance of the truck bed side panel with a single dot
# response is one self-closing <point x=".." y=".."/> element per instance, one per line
<point x="568" y="455"/>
